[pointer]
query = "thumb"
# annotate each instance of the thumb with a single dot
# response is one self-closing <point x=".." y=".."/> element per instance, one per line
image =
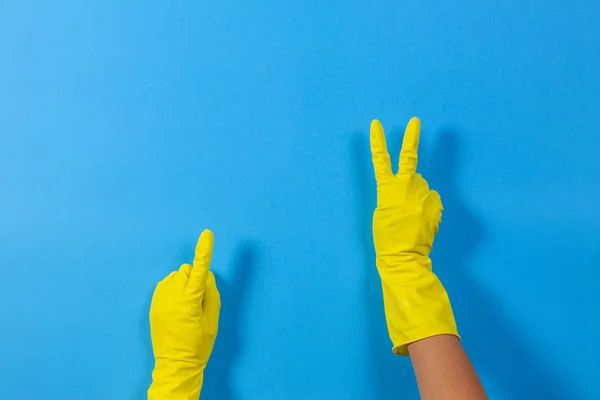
<point x="197" y="282"/>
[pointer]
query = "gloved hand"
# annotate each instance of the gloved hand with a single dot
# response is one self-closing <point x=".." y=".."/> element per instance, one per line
<point x="184" y="317"/>
<point x="404" y="225"/>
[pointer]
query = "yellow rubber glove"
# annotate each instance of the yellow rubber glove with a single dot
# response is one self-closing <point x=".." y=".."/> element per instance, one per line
<point x="404" y="225"/>
<point x="184" y="318"/>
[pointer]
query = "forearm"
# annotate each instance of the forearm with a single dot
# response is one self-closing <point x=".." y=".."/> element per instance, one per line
<point x="443" y="370"/>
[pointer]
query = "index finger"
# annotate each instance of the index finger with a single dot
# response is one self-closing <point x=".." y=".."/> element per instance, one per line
<point x="379" y="152"/>
<point x="197" y="282"/>
<point x="410" y="147"/>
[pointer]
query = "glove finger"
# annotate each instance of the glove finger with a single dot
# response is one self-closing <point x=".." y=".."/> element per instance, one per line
<point x="211" y="306"/>
<point x="185" y="270"/>
<point x="435" y="201"/>
<point x="197" y="282"/>
<point x="422" y="183"/>
<point x="379" y="152"/>
<point x="410" y="146"/>
<point x="181" y="276"/>
<point x="168" y="277"/>
<point x="435" y="204"/>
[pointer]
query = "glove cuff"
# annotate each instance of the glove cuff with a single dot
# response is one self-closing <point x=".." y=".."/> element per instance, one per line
<point x="174" y="380"/>
<point x="416" y="304"/>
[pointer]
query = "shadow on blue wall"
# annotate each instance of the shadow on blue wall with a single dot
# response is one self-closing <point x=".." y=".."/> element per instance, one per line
<point x="218" y="383"/>
<point x="492" y="340"/>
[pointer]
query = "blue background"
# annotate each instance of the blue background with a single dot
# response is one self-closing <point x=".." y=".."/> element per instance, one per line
<point x="127" y="128"/>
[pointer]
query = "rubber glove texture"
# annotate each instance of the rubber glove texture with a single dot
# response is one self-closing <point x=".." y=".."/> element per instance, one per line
<point x="405" y="223"/>
<point x="184" y="317"/>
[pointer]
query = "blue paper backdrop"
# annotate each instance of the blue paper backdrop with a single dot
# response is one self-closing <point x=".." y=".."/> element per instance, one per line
<point x="128" y="127"/>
